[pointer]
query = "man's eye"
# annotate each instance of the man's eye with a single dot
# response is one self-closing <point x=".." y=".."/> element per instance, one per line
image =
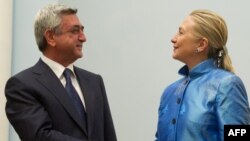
<point x="75" y="30"/>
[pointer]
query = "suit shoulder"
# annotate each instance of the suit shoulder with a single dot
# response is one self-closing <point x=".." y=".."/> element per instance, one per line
<point x="24" y="73"/>
<point x="86" y="72"/>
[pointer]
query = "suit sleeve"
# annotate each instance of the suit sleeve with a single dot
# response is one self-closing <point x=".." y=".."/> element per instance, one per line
<point x="232" y="104"/>
<point x="109" y="130"/>
<point x="27" y="115"/>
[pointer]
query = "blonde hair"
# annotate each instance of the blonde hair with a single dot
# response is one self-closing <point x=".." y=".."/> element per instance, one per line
<point x="213" y="27"/>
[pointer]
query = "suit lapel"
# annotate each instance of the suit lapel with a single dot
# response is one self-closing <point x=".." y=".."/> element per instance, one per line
<point x="89" y="96"/>
<point x="49" y="80"/>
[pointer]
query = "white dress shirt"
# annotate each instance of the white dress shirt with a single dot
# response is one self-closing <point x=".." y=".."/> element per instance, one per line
<point x="58" y="69"/>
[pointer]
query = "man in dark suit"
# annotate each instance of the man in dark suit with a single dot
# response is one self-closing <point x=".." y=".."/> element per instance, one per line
<point x="39" y="105"/>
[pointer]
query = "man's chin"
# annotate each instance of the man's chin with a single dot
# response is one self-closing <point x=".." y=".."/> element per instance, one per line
<point x="79" y="55"/>
<point x="174" y="56"/>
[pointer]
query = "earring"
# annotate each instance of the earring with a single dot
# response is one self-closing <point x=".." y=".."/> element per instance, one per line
<point x="197" y="50"/>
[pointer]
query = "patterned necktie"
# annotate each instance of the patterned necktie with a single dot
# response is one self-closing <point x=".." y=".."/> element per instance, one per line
<point x="74" y="95"/>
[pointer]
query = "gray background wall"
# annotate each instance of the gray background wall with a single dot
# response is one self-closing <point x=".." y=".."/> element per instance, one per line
<point x="128" y="43"/>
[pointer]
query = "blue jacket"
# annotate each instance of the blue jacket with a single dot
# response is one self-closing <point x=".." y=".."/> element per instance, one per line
<point x="196" y="107"/>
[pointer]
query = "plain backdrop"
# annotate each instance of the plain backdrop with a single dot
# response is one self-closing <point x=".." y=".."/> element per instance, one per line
<point x="128" y="43"/>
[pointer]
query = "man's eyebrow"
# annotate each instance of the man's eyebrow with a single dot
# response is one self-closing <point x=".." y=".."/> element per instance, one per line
<point x="78" y="26"/>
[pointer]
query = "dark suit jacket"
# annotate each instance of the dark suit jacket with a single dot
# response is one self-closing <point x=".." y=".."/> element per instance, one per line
<point x="40" y="109"/>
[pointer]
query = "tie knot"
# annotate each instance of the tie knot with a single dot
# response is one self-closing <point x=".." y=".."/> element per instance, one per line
<point x="67" y="73"/>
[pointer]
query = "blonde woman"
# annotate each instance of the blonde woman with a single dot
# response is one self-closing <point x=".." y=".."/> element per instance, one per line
<point x="209" y="95"/>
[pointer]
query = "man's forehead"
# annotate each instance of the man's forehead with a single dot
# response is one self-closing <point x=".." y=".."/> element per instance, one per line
<point x="71" y="22"/>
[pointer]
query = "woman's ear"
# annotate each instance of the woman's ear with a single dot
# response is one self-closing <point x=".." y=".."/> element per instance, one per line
<point x="49" y="37"/>
<point x="203" y="44"/>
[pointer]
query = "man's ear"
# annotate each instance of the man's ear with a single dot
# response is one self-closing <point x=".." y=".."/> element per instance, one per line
<point x="203" y="44"/>
<point x="49" y="37"/>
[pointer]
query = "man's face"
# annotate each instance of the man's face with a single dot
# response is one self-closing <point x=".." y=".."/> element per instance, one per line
<point x="69" y="40"/>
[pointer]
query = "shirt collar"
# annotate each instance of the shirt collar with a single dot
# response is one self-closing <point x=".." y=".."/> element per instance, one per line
<point x="56" y="67"/>
<point x="199" y="69"/>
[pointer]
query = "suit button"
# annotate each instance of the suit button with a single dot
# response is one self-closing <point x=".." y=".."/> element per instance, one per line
<point x="173" y="121"/>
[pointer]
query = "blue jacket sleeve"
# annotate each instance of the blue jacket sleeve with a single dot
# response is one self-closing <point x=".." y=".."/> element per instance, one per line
<point x="232" y="105"/>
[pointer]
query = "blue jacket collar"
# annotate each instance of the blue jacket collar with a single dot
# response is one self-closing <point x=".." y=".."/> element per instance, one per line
<point x="199" y="69"/>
